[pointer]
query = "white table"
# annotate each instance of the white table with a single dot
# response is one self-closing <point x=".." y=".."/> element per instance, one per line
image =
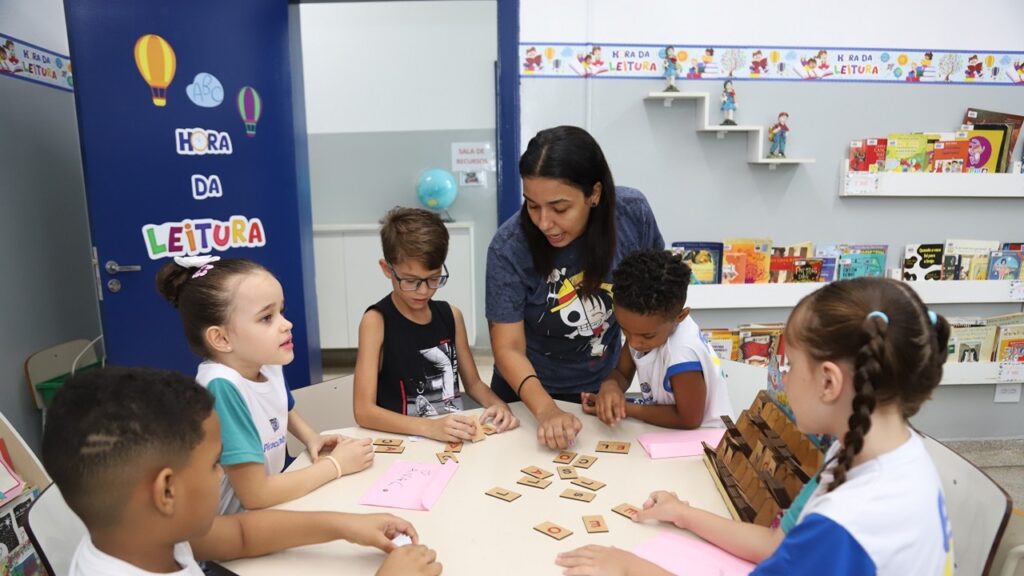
<point x="474" y="533"/>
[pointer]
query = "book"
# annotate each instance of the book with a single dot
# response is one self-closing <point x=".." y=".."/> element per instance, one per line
<point x="922" y="262"/>
<point x="949" y="157"/>
<point x="934" y="138"/>
<point x="758" y="252"/>
<point x="801" y="249"/>
<point x="985" y="147"/>
<point x="906" y="153"/>
<point x="1005" y="319"/>
<point x="782" y="269"/>
<point x="828" y="268"/>
<point x="734" y="268"/>
<point x="1004" y="265"/>
<point x="964" y="257"/>
<point x="1015" y="246"/>
<point x="861" y="265"/>
<point x="858" y="156"/>
<point x="808" y="270"/>
<point x="704" y="258"/>
<point x="757" y="345"/>
<point x="874" y="153"/>
<point x="724" y="342"/>
<point x="1014" y="122"/>
<point x="971" y="343"/>
<point x="1010" y="344"/>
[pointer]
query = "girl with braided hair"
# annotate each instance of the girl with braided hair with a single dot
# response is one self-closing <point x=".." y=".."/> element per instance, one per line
<point x="864" y="354"/>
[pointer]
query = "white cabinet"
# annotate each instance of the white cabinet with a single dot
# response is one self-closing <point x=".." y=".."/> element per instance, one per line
<point x="349" y="278"/>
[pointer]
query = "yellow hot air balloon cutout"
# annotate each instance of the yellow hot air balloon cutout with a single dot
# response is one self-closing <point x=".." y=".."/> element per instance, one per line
<point x="549" y="53"/>
<point x="156" y="62"/>
<point x="774" y="56"/>
<point x="990" y="60"/>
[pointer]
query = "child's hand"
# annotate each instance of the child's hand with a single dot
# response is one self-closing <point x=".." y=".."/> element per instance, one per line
<point x="611" y="403"/>
<point x="588" y="401"/>
<point x="411" y="560"/>
<point x="664" y="507"/>
<point x="595" y="560"/>
<point x="353" y="454"/>
<point x="501" y="415"/>
<point x="453" y="428"/>
<point x="378" y="530"/>
<point x="321" y="443"/>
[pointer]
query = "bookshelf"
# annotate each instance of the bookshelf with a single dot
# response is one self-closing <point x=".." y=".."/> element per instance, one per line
<point x="755" y="134"/>
<point x="928" y="185"/>
<point x="739" y="296"/>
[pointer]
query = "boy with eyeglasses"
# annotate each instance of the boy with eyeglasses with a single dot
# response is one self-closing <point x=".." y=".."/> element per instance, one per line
<point x="414" y="350"/>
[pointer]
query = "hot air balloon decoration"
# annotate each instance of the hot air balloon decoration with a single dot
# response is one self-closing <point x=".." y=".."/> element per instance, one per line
<point x="249" y="107"/>
<point x="156" y="62"/>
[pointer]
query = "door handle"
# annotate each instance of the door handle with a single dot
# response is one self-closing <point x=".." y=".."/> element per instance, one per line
<point x="112" y="267"/>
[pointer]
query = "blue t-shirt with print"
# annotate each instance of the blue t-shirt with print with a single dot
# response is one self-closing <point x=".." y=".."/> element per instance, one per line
<point x="573" y="342"/>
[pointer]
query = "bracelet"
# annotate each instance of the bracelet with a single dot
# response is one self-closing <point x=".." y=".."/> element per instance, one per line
<point x="337" y="466"/>
<point x="520" y="388"/>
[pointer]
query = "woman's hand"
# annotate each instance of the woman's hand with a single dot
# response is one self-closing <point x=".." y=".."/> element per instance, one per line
<point x="557" y="429"/>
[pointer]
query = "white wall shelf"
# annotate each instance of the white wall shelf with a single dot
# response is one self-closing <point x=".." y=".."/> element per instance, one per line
<point x="971" y="373"/>
<point x="755" y="134"/>
<point x="739" y="296"/>
<point x="928" y="184"/>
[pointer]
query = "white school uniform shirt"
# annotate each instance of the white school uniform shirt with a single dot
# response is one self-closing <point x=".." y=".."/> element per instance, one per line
<point x="889" y="518"/>
<point x="253" y="421"/>
<point x="686" y="350"/>
<point x="90" y="561"/>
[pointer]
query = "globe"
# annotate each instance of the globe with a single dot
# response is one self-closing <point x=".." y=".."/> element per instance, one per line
<point x="437" y="189"/>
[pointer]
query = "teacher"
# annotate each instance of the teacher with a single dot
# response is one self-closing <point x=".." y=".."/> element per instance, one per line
<point x="549" y="292"/>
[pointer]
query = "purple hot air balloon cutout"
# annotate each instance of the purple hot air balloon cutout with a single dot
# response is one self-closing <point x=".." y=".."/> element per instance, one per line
<point x="249" y="107"/>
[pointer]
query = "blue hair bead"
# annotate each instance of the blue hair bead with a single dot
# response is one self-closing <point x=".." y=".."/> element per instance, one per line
<point x="877" y="314"/>
<point x="933" y="317"/>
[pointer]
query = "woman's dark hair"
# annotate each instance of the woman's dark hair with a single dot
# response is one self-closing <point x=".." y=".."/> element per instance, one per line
<point x="571" y="155"/>
<point x="203" y="300"/>
<point x="652" y="282"/>
<point x="897" y="354"/>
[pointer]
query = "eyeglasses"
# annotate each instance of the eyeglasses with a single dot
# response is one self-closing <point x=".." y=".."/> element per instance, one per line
<point x="413" y="284"/>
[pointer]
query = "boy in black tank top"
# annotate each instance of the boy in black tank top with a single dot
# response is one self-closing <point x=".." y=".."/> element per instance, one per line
<point x="413" y="349"/>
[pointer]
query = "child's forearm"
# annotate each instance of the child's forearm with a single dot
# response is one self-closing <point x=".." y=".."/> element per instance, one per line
<point x="664" y="415"/>
<point x="751" y="542"/>
<point x="256" y="490"/>
<point x="298" y="427"/>
<point x="262" y="532"/>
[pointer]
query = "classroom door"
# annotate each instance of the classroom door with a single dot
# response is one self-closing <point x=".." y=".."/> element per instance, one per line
<point x="188" y="141"/>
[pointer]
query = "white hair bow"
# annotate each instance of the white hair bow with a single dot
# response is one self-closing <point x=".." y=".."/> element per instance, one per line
<point x="203" y="263"/>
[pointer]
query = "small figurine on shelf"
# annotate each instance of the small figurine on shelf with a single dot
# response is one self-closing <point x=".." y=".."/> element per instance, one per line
<point x="728" y="103"/>
<point x="671" y="69"/>
<point x="777" y="136"/>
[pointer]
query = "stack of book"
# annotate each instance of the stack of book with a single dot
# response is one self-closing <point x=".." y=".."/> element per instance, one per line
<point x="960" y="259"/>
<point x="758" y="261"/>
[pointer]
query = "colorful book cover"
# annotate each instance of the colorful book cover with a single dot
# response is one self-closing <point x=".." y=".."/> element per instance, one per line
<point x="985" y="147"/>
<point x="861" y="265"/>
<point x="874" y="152"/>
<point x="828" y="268"/>
<point x="759" y="254"/>
<point x="906" y="153"/>
<point x="970" y="257"/>
<point x="1004" y="265"/>
<point x="782" y="269"/>
<point x="978" y="116"/>
<point x="723" y="341"/>
<point x="949" y="157"/>
<point x="858" y="156"/>
<point x="808" y="270"/>
<point x="971" y="343"/>
<point x="1010" y="346"/>
<point x="923" y="262"/>
<point x="1015" y="246"/>
<point x="704" y="258"/>
<point x="935" y="138"/>
<point x="734" y="268"/>
<point x="758" y="345"/>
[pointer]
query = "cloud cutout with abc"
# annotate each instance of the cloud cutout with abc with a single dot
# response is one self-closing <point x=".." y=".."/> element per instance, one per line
<point x="205" y="90"/>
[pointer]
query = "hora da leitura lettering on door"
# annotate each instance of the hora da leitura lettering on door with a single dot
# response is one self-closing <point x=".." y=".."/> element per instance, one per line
<point x="202" y="236"/>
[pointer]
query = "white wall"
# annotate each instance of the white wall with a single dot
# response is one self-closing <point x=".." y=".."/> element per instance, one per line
<point x="39" y="22"/>
<point x="399" y="66"/>
<point x="950" y="24"/>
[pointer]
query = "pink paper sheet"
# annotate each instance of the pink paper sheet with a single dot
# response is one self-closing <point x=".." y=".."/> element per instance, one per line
<point x="691" y="556"/>
<point x="410" y="485"/>
<point x="680" y="442"/>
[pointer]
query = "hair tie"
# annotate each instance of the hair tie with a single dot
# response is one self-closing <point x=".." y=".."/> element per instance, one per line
<point x="877" y="314"/>
<point x="933" y="317"/>
<point x="203" y="264"/>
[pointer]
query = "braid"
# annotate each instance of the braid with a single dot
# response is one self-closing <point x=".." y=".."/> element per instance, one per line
<point x="867" y="371"/>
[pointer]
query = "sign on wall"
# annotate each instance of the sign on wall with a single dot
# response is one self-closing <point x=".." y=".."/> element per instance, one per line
<point x="24" y="61"/>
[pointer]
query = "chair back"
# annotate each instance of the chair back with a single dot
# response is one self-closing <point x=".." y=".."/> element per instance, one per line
<point x="55" y="531"/>
<point x="978" y="509"/>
